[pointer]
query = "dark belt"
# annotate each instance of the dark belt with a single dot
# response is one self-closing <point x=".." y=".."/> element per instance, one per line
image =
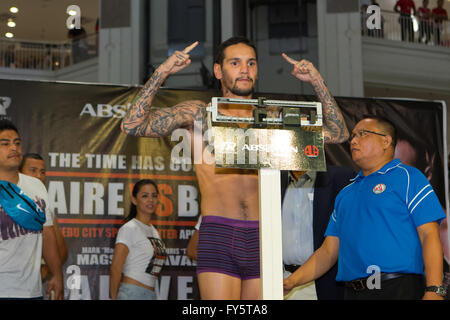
<point x="291" y="267"/>
<point x="361" y="284"/>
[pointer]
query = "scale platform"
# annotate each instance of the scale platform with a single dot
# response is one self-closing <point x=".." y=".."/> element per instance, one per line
<point x="283" y="135"/>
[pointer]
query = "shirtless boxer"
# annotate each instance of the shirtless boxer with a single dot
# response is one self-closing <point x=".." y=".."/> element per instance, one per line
<point x="228" y="251"/>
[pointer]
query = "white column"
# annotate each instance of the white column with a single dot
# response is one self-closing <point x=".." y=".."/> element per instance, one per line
<point x="227" y="18"/>
<point x="121" y="51"/>
<point x="340" y="51"/>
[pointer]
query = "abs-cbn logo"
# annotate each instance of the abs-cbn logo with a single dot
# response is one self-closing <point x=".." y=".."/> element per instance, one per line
<point x="104" y="110"/>
<point x="311" y="151"/>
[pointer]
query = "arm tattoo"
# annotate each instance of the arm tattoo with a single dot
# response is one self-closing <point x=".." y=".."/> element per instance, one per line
<point x="143" y="120"/>
<point x="335" y="130"/>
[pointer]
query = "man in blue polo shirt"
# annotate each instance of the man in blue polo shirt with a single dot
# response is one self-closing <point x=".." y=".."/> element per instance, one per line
<point x="384" y="231"/>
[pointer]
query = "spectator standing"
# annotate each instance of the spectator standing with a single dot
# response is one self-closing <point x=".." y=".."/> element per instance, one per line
<point x="26" y="227"/>
<point x="34" y="165"/>
<point x="404" y="8"/>
<point x="425" y="25"/>
<point x="440" y="15"/>
<point x="139" y="254"/>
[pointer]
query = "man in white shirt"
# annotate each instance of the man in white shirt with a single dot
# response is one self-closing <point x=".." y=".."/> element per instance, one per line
<point x="308" y="201"/>
<point x="21" y="249"/>
<point x="34" y="165"/>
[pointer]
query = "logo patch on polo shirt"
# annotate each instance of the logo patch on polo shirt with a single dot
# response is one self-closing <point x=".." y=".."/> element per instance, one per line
<point x="379" y="188"/>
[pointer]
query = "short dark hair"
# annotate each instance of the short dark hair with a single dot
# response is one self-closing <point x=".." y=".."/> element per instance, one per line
<point x="35" y="156"/>
<point x="220" y="55"/>
<point x="6" y="124"/>
<point x="133" y="211"/>
<point x="387" y="125"/>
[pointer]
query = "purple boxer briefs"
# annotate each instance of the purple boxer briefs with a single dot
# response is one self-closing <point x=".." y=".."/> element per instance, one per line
<point x="229" y="246"/>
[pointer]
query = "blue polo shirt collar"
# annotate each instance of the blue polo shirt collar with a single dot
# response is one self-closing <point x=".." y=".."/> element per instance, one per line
<point x="388" y="166"/>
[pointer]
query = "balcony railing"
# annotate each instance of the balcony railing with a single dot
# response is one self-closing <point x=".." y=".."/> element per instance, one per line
<point x="409" y="29"/>
<point x="23" y="54"/>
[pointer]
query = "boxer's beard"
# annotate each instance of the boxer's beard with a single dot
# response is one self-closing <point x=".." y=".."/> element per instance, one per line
<point x="235" y="89"/>
<point x="241" y="92"/>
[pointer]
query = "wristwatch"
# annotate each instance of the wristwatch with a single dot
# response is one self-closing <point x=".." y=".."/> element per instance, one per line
<point x="439" y="290"/>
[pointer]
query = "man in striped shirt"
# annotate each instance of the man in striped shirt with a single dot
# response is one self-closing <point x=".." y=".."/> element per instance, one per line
<point x="384" y="230"/>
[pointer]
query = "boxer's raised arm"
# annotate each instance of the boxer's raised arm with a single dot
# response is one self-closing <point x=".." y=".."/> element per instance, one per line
<point x="143" y="120"/>
<point x="335" y="130"/>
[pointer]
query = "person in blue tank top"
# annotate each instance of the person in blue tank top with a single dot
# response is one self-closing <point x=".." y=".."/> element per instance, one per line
<point x="384" y="230"/>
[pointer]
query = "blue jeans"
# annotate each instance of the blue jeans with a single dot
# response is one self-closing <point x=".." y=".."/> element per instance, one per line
<point x="128" y="291"/>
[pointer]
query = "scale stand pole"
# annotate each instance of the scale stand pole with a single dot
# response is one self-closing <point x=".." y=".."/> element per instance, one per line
<point x="271" y="252"/>
<point x="295" y="116"/>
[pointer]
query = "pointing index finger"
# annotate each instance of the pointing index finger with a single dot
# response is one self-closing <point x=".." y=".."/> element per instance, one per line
<point x="191" y="47"/>
<point x="288" y="59"/>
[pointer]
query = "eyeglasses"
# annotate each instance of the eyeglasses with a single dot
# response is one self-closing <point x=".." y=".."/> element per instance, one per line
<point x="362" y="133"/>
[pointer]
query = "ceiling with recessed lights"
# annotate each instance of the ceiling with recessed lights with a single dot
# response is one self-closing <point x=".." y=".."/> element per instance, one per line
<point x="45" y="20"/>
